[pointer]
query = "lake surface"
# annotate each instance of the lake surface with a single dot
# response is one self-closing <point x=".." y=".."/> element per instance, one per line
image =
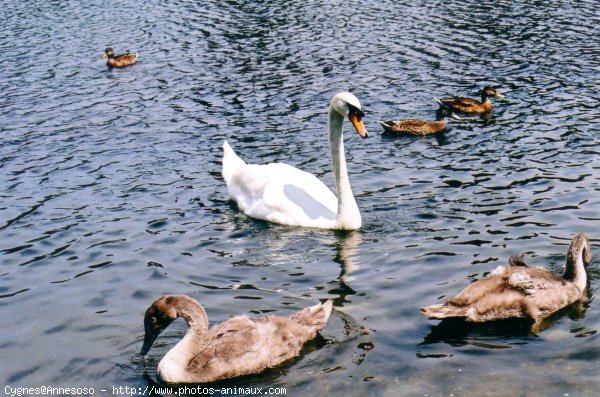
<point x="111" y="189"/>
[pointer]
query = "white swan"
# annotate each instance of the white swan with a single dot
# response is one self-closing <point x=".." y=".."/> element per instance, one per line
<point x="280" y="193"/>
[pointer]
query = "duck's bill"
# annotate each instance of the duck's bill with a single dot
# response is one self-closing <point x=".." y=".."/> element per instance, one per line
<point x="499" y="95"/>
<point x="358" y="125"/>
<point x="455" y="116"/>
<point x="103" y="56"/>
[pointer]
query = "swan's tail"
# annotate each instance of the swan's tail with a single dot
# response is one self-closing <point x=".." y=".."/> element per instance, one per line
<point x="315" y="316"/>
<point x="231" y="162"/>
<point x="443" y="311"/>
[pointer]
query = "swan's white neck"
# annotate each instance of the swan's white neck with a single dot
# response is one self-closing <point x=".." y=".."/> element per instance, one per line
<point x="173" y="368"/>
<point x="348" y="215"/>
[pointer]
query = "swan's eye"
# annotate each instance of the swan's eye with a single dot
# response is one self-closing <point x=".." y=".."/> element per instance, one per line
<point x="356" y="111"/>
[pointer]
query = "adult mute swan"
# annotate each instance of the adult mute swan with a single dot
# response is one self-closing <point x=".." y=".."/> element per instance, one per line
<point x="280" y="193"/>
<point x="236" y="347"/>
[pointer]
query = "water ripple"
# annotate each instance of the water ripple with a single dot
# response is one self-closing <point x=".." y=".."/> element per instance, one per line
<point x="112" y="193"/>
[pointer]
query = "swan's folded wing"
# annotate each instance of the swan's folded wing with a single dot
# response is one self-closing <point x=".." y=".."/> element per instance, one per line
<point x="281" y="193"/>
<point x="242" y="346"/>
<point x="225" y="343"/>
<point x="475" y="291"/>
<point x="533" y="280"/>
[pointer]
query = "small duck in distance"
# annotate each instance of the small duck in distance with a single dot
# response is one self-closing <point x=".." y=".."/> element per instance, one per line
<point x="520" y="291"/>
<point x="119" y="61"/>
<point x="471" y="105"/>
<point x="236" y="347"/>
<point x="421" y="127"/>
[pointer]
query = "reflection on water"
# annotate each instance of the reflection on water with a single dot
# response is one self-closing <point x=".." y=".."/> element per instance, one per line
<point x="460" y="333"/>
<point x="347" y="249"/>
<point x="112" y="192"/>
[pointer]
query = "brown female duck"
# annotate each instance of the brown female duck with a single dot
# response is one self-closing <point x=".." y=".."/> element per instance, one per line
<point x="119" y="61"/>
<point x="421" y="127"/>
<point x="236" y="347"/>
<point x="471" y="105"/>
<point x="520" y="291"/>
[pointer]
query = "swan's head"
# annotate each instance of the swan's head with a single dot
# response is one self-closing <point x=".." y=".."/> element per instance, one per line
<point x="347" y="105"/>
<point x="579" y="256"/>
<point x="159" y="315"/>
<point x="163" y="311"/>
<point x="579" y="251"/>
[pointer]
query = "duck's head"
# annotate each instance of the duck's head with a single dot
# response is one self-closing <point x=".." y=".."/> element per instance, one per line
<point x="445" y="111"/>
<point x="108" y="53"/>
<point x="348" y="105"/>
<point x="157" y="318"/>
<point x="492" y="91"/>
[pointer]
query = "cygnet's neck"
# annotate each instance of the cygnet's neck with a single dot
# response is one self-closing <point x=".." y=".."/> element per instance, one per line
<point x="578" y="256"/>
<point x="173" y="368"/>
<point x="348" y="216"/>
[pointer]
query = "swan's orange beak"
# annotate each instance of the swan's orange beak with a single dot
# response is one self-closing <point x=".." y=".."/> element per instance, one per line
<point x="358" y="125"/>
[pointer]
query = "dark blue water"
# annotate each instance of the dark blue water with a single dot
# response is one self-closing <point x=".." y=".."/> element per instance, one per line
<point x="111" y="193"/>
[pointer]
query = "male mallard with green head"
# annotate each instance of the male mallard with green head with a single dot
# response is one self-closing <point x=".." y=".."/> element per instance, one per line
<point x="471" y="105"/>
<point x="119" y="61"/>
<point x="520" y="291"/>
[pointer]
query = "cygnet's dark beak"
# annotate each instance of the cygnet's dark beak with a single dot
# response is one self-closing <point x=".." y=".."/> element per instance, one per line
<point x="149" y="339"/>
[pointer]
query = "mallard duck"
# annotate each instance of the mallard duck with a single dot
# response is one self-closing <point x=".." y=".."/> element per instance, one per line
<point x="119" y="61"/>
<point x="236" y="347"/>
<point x="520" y="291"/>
<point x="471" y="105"/>
<point x="421" y="127"/>
<point x="280" y="193"/>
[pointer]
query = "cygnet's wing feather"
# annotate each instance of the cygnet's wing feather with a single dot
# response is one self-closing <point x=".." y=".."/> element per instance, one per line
<point x="234" y="348"/>
<point x="475" y="291"/>
<point x="507" y="283"/>
<point x="513" y="291"/>
<point x="244" y="345"/>
<point x="532" y="280"/>
<point x="315" y="316"/>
